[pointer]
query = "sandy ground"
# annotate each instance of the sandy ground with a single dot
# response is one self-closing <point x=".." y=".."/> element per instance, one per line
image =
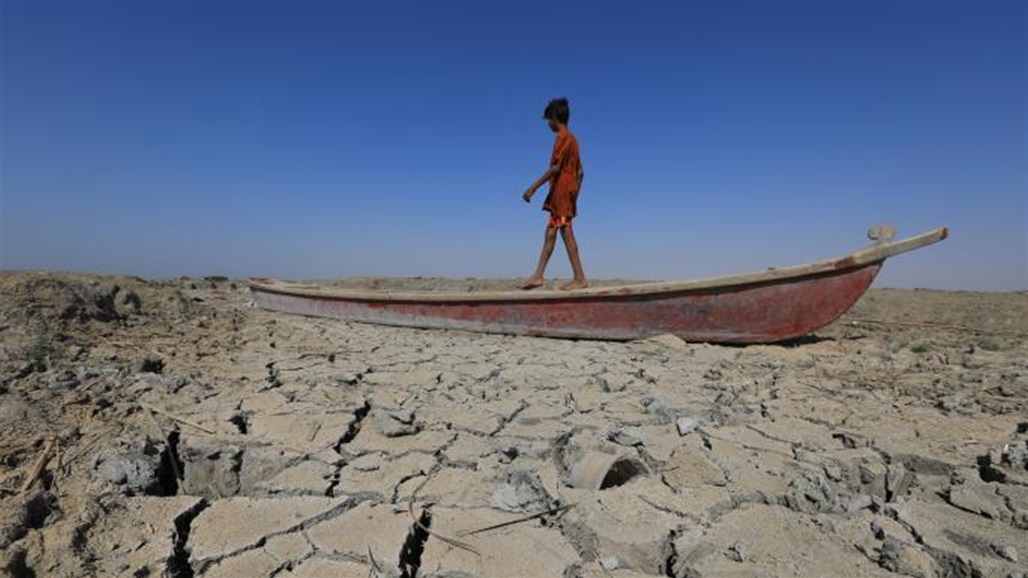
<point x="192" y="435"/>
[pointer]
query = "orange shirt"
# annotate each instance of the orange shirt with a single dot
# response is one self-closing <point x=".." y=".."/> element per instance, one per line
<point x="563" y="198"/>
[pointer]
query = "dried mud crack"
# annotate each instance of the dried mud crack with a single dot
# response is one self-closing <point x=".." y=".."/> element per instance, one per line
<point x="899" y="449"/>
<point x="178" y="563"/>
<point x="414" y="545"/>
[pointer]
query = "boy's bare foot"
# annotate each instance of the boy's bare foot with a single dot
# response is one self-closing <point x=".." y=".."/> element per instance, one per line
<point x="532" y="283"/>
<point x="574" y="284"/>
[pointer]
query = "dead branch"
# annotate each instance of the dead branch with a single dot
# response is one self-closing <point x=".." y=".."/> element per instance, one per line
<point x="85" y="449"/>
<point x="314" y="431"/>
<point x="177" y="418"/>
<point x="171" y="456"/>
<point x="447" y="539"/>
<point x="555" y="510"/>
<point x="375" y="570"/>
<point x="10" y="450"/>
<point x="37" y="470"/>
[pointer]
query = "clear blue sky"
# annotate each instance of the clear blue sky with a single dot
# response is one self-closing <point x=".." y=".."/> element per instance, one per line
<point x="330" y="139"/>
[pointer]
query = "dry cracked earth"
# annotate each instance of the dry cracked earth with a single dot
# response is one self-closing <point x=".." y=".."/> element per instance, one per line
<point x="170" y="429"/>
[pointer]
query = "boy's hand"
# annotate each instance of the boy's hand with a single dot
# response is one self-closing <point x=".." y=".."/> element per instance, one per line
<point x="527" y="195"/>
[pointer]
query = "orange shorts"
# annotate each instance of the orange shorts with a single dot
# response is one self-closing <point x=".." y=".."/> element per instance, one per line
<point x="559" y="222"/>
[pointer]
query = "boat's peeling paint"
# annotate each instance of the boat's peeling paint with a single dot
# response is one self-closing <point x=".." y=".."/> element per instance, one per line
<point x="769" y="311"/>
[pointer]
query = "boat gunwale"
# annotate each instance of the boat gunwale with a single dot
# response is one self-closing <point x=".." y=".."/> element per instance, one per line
<point x="859" y="258"/>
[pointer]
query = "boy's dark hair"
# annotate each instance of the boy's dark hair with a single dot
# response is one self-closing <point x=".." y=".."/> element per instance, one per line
<point x="559" y="110"/>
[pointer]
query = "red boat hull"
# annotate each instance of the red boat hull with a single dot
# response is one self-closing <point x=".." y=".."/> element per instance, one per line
<point x="761" y="307"/>
<point x="761" y="312"/>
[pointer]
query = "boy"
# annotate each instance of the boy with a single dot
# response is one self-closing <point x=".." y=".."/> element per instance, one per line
<point x="565" y="176"/>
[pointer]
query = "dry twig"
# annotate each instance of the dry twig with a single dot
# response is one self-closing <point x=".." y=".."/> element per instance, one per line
<point x="314" y="431"/>
<point x="37" y="470"/>
<point x="171" y="457"/>
<point x="817" y="373"/>
<point x="59" y="467"/>
<point x="447" y="539"/>
<point x="374" y="570"/>
<point x="10" y="450"/>
<point x="177" y="418"/>
<point x="556" y="510"/>
<point x="85" y="449"/>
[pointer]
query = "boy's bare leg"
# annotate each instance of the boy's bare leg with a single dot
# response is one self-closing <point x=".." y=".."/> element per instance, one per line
<point x="550" y="240"/>
<point x="579" y="282"/>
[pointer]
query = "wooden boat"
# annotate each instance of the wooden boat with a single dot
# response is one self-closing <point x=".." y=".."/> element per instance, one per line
<point x="768" y="306"/>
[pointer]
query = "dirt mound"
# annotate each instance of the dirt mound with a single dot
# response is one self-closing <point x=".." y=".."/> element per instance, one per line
<point x="44" y="316"/>
<point x="63" y="298"/>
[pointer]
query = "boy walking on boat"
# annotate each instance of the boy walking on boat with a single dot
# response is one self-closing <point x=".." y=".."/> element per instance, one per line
<point x="565" y="177"/>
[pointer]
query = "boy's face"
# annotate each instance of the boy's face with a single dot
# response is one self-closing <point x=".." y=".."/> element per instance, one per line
<point x="553" y="124"/>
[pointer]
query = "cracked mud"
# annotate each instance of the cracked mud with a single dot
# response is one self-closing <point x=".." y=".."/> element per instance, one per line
<point x="194" y="436"/>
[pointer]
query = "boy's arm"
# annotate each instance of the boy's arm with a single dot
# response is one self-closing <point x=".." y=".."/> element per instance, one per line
<point x="553" y="170"/>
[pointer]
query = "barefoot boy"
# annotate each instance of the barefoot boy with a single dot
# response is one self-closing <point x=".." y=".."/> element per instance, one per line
<point x="565" y="177"/>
